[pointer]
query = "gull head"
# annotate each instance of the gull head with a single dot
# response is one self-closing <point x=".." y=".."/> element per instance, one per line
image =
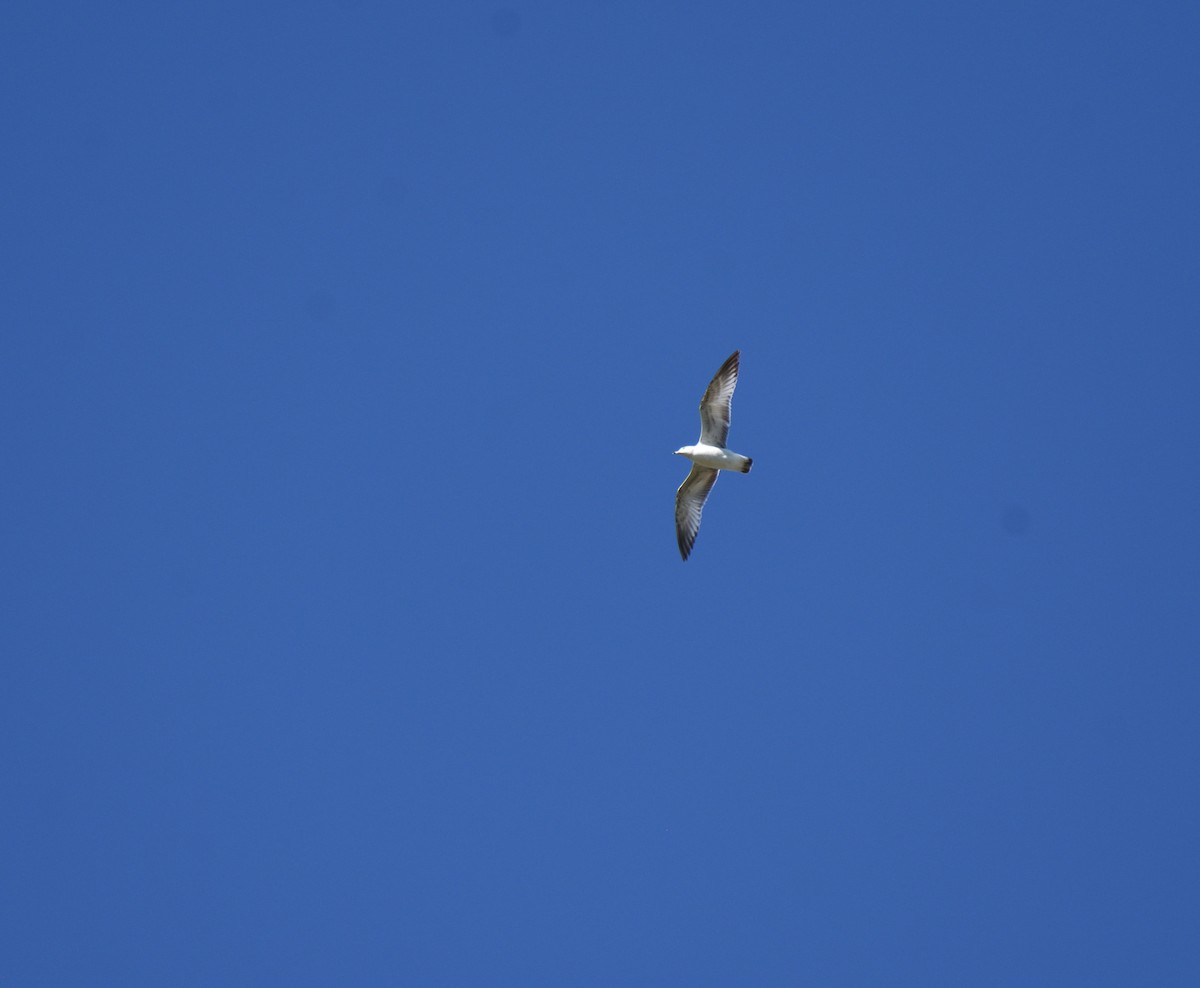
<point x="682" y="451"/>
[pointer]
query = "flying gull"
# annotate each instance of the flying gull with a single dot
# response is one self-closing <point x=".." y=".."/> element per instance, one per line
<point x="709" y="455"/>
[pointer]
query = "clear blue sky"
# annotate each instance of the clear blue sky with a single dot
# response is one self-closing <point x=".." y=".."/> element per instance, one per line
<point x="345" y="639"/>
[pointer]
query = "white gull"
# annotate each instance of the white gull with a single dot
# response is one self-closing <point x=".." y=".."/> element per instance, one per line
<point x="709" y="455"/>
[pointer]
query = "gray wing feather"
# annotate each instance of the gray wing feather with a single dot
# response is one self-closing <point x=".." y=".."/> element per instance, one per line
<point x="717" y="401"/>
<point x="689" y="503"/>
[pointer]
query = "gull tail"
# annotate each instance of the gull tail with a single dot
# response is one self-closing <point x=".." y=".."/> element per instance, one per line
<point x="746" y="468"/>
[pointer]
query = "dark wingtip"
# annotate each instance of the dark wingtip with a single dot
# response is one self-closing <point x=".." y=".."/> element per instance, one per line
<point x="731" y="363"/>
<point x="685" y="547"/>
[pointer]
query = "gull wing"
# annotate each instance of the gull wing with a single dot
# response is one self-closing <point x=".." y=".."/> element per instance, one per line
<point x="715" y="405"/>
<point x="689" y="503"/>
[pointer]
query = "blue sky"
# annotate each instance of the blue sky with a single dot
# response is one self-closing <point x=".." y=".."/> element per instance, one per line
<point x="345" y="637"/>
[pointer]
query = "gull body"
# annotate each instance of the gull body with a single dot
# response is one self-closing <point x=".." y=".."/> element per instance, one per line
<point x="716" y="457"/>
<point x="709" y="456"/>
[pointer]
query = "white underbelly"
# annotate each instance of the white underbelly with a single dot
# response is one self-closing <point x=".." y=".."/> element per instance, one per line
<point x="718" y="459"/>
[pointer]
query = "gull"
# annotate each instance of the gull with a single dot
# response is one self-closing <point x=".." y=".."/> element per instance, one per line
<point x="709" y="455"/>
